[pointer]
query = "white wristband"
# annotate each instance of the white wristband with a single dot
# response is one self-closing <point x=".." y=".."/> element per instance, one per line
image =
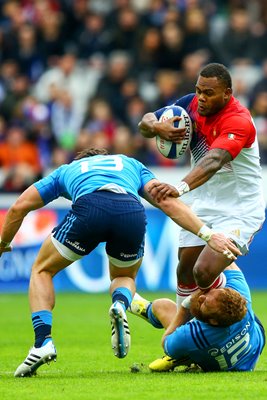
<point x="186" y="302"/>
<point x="182" y="188"/>
<point x="205" y="233"/>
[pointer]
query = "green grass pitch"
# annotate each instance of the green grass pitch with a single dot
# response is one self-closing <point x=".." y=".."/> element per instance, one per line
<point x="86" y="367"/>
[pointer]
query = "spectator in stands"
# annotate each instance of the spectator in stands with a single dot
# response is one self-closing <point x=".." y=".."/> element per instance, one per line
<point x="125" y="35"/>
<point x="19" y="160"/>
<point x="148" y="56"/>
<point x="196" y="34"/>
<point x="99" y="117"/>
<point x="110" y="85"/>
<point x="93" y="36"/>
<point x="68" y="75"/>
<point x="259" y="113"/>
<point x="17" y="91"/>
<point x="52" y="37"/>
<point x="66" y="119"/>
<point x="237" y="42"/>
<point x="27" y="52"/>
<point x="260" y="85"/>
<point x="173" y="46"/>
<point x="191" y="65"/>
<point x="168" y="84"/>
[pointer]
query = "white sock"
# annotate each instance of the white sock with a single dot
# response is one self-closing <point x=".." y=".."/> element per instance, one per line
<point x="183" y="292"/>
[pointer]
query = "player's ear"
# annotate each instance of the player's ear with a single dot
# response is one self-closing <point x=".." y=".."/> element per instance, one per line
<point x="228" y="92"/>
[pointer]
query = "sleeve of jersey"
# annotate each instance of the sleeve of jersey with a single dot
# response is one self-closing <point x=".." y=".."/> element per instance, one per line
<point x="175" y="344"/>
<point x="235" y="134"/>
<point x="146" y="176"/>
<point x="49" y="187"/>
<point x="182" y="102"/>
<point x="236" y="280"/>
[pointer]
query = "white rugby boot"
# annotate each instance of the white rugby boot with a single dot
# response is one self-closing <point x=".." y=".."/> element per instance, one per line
<point x="36" y="358"/>
<point x="120" y="333"/>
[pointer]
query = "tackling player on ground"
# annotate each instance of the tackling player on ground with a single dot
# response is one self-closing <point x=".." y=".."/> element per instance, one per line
<point x="215" y="329"/>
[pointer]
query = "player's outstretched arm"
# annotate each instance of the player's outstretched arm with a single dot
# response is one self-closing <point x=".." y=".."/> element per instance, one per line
<point x="201" y="173"/>
<point x="183" y="216"/>
<point x="180" y="318"/>
<point x="29" y="200"/>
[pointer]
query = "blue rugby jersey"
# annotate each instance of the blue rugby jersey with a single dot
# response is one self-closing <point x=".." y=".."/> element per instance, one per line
<point x="234" y="348"/>
<point x="91" y="173"/>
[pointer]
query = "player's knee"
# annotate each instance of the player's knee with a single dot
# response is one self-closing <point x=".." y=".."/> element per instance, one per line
<point x="164" y="310"/>
<point x="185" y="275"/>
<point x="43" y="269"/>
<point x="202" y="275"/>
<point x="162" y="306"/>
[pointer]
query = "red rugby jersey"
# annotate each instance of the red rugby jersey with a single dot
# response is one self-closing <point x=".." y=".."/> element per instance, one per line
<point x="231" y="128"/>
<point x="236" y="189"/>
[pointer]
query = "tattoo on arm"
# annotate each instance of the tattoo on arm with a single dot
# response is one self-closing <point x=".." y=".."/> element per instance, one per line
<point x="213" y="161"/>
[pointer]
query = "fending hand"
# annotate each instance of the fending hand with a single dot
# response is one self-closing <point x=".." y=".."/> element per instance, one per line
<point x="159" y="191"/>
<point x="224" y="245"/>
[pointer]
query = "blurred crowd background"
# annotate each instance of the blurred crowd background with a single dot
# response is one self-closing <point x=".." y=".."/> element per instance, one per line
<point x="82" y="73"/>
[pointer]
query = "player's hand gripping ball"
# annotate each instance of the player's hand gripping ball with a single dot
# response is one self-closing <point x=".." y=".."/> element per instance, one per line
<point x="175" y="150"/>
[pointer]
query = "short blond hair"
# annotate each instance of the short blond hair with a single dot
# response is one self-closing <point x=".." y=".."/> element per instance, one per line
<point x="232" y="307"/>
<point x="229" y="307"/>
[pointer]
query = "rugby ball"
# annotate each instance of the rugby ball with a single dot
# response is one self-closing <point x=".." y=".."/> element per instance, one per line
<point x="175" y="150"/>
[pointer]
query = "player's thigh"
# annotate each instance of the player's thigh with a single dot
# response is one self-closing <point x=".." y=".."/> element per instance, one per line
<point x="49" y="259"/>
<point x="209" y="265"/>
<point x="81" y="231"/>
<point x="127" y="238"/>
<point x="187" y="259"/>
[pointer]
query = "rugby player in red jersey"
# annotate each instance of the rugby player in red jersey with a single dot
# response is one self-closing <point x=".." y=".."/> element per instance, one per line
<point x="225" y="178"/>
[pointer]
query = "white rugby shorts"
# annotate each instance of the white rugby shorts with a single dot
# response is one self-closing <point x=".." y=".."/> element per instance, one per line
<point x="240" y="230"/>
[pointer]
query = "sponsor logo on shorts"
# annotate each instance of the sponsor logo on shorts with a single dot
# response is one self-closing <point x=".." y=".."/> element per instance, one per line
<point x="76" y="245"/>
<point x="128" y="255"/>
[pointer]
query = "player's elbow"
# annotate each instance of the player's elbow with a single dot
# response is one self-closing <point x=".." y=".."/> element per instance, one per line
<point x="218" y="163"/>
<point x="216" y="159"/>
<point x="145" y="126"/>
<point x="19" y="209"/>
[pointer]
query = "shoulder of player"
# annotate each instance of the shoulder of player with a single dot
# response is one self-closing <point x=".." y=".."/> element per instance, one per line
<point x="186" y="101"/>
<point x="236" y="110"/>
<point x="234" y="120"/>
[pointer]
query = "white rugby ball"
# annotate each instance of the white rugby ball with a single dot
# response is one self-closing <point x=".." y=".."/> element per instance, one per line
<point x="175" y="150"/>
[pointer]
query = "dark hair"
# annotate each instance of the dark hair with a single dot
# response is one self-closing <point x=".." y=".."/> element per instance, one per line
<point x="219" y="71"/>
<point x="90" y="152"/>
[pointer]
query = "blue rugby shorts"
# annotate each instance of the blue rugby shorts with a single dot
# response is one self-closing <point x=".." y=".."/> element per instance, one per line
<point x="103" y="216"/>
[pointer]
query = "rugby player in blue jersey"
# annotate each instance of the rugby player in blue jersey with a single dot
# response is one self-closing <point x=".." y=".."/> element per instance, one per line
<point x="105" y="192"/>
<point x="215" y="329"/>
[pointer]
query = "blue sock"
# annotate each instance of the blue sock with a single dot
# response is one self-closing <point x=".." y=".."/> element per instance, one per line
<point x="152" y="318"/>
<point x="123" y="295"/>
<point x="42" y="325"/>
